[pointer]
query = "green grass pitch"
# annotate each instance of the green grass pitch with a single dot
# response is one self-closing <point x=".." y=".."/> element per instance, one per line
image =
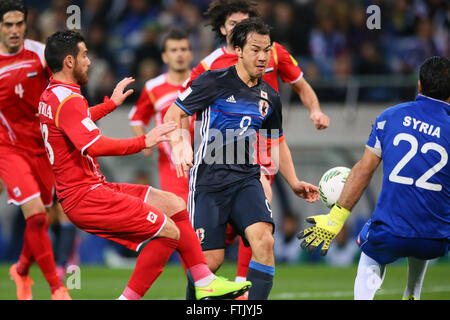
<point x="299" y="282"/>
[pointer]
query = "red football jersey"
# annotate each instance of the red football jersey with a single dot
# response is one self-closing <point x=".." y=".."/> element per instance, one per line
<point x="23" y="77"/>
<point x="281" y="62"/>
<point x="68" y="131"/>
<point x="154" y="101"/>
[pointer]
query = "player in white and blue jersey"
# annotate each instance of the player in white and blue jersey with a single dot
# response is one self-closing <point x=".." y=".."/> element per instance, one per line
<point x="412" y="215"/>
<point x="232" y="106"/>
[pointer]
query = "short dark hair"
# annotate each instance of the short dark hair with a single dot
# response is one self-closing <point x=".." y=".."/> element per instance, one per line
<point x="12" y="5"/>
<point x="173" y="34"/>
<point x="219" y="11"/>
<point x="59" y="45"/>
<point x="243" y="28"/>
<point x="434" y="78"/>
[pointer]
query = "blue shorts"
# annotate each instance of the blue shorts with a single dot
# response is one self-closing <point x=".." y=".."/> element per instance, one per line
<point x="378" y="243"/>
<point x="241" y="205"/>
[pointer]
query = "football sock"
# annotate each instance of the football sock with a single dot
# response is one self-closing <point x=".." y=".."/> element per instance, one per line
<point x="416" y="273"/>
<point x="190" y="250"/>
<point x="149" y="265"/>
<point x="244" y="257"/>
<point x="36" y="236"/>
<point x="190" y="289"/>
<point x="261" y="277"/>
<point x="25" y="259"/>
<point x="66" y="243"/>
<point x="369" y="277"/>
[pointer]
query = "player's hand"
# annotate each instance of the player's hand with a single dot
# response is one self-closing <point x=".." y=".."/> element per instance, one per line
<point x="305" y="190"/>
<point x="118" y="96"/>
<point x="183" y="158"/>
<point x="320" y="119"/>
<point x="158" y="134"/>
<point x="325" y="229"/>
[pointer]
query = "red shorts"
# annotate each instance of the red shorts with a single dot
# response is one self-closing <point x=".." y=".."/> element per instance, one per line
<point x="169" y="181"/>
<point x="26" y="176"/>
<point x="118" y="212"/>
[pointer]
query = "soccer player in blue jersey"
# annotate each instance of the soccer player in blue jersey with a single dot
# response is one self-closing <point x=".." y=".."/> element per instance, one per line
<point x="233" y="105"/>
<point x="412" y="215"/>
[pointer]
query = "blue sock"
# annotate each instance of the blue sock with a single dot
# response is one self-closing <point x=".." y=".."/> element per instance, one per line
<point x="261" y="277"/>
<point x="66" y="243"/>
<point x="190" y="289"/>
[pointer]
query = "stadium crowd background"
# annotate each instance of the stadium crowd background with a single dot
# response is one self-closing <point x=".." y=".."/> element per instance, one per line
<point x="328" y="38"/>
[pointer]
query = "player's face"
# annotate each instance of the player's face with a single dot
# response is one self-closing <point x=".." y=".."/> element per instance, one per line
<point x="178" y="55"/>
<point x="255" y="55"/>
<point x="12" y="31"/>
<point x="232" y="20"/>
<point x="82" y="63"/>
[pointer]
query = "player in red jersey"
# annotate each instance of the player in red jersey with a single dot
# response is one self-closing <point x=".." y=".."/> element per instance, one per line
<point x="24" y="166"/>
<point x="125" y="213"/>
<point x="156" y="97"/>
<point x="223" y="16"/>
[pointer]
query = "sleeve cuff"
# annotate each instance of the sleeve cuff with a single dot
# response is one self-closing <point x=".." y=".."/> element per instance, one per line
<point x="183" y="108"/>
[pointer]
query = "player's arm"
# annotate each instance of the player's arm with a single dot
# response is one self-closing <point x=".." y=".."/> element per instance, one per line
<point x="282" y="155"/>
<point x="326" y="227"/>
<point x="179" y="139"/>
<point x="117" y="98"/>
<point x="358" y="179"/>
<point x="197" y="97"/>
<point x="311" y="102"/>
<point x="290" y="72"/>
<point x="72" y="118"/>
<point x="106" y="146"/>
<point x="286" y="167"/>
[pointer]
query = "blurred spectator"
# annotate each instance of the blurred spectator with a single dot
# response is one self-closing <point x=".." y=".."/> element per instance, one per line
<point x="149" y="49"/>
<point x="124" y="34"/>
<point x="326" y="43"/>
<point x="415" y="49"/>
<point x="53" y="18"/>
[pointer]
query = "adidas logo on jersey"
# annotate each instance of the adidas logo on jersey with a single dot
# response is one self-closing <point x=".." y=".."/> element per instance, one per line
<point x="231" y="99"/>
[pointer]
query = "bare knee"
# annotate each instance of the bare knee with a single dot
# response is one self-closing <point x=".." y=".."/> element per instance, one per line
<point x="166" y="202"/>
<point x="170" y="230"/>
<point x="261" y="241"/>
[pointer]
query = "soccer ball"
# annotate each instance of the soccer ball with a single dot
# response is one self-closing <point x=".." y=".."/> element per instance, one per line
<point x="331" y="185"/>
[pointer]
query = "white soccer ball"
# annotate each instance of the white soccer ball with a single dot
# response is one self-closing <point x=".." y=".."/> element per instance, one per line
<point x="331" y="185"/>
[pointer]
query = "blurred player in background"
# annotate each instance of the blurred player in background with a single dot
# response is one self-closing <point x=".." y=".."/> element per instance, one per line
<point x="128" y="214"/>
<point x="156" y="97"/>
<point x="223" y="16"/>
<point x="412" y="215"/>
<point x="222" y="187"/>
<point x="24" y="165"/>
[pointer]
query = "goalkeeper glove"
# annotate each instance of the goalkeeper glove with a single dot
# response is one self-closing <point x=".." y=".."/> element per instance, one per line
<point x="326" y="228"/>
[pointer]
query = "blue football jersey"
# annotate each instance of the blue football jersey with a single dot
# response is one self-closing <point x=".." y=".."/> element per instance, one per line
<point x="413" y="140"/>
<point x="229" y="114"/>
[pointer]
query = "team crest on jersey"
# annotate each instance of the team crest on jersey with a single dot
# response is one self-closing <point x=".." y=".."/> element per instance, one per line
<point x="263" y="107"/>
<point x="200" y="234"/>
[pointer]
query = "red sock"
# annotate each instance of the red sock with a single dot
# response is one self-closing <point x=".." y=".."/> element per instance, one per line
<point x="189" y="247"/>
<point x="244" y="257"/>
<point x="26" y="259"/>
<point x="149" y="265"/>
<point x="38" y="241"/>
